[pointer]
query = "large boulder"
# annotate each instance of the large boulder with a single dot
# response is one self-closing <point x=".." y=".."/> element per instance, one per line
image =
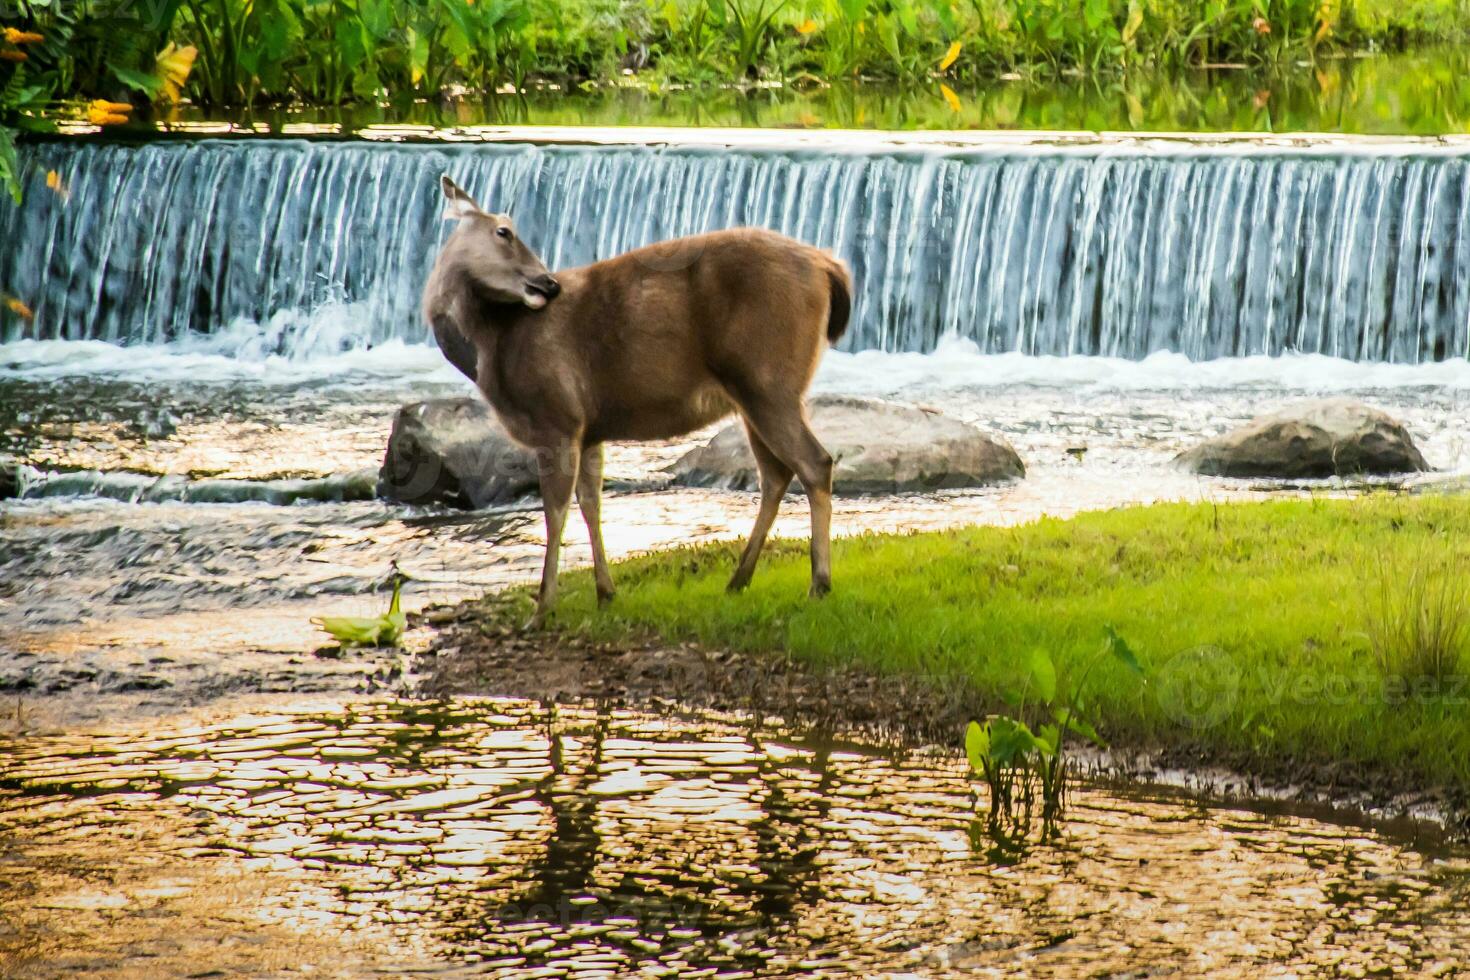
<point x="880" y="447"/>
<point x="454" y="451"/>
<point x="1334" y="437"/>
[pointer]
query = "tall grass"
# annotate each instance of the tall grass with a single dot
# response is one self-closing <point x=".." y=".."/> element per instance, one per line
<point x="1420" y="623"/>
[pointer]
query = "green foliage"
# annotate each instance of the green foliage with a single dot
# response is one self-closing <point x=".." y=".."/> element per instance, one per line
<point x="368" y="631"/>
<point x="1021" y="765"/>
<point x="393" y="51"/>
<point x="9" y="170"/>
<point x="1248" y="620"/>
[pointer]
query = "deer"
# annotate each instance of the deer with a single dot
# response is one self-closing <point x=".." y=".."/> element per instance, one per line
<point x="649" y="345"/>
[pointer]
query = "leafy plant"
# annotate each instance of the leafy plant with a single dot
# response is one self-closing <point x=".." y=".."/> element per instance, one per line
<point x="1027" y="769"/>
<point x="748" y="23"/>
<point x="368" y="631"/>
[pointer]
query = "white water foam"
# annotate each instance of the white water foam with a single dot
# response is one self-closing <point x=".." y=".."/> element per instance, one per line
<point x="329" y="344"/>
<point x="958" y="364"/>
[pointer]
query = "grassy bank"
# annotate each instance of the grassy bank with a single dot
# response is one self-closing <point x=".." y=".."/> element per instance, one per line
<point x="1274" y="635"/>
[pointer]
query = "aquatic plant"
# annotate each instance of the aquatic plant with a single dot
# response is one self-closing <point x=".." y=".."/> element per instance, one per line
<point x="368" y="631"/>
<point x="1026" y="769"/>
<point x="378" y="51"/>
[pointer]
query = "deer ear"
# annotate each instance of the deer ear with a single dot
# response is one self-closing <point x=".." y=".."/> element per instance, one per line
<point x="457" y="204"/>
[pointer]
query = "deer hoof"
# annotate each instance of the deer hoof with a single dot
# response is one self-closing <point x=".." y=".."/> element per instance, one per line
<point x="820" y="588"/>
<point x="738" y="584"/>
<point x="604" y="596"/>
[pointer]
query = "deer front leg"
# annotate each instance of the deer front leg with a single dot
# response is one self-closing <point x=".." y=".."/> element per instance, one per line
<point x="558" y="472"/>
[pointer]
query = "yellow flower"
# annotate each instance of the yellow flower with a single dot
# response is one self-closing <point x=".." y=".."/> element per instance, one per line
<point x="950" y="56"/>
<point x="16" y="56"/>
<point x="952" y="100"/>
<point x="807" y="27"/>
<point x="174" y="64"/>
<point x="100" y="112"/>
<point x="13" y="36"/>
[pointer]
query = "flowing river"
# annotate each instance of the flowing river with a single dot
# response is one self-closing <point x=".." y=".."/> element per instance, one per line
<point x="222" y="332"/>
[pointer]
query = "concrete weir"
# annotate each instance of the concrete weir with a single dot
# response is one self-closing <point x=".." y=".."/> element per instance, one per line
<point x="1042" y="243"/>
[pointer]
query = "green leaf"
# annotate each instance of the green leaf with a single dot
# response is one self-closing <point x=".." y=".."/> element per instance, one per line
<point x="1048" y="740"/>
<point x="1135" y="21"/>
<point x="459" y="30"/>
<point x="977" y="746"/>
<point x="9" y="168"/>
<point x="1010" y="741"/>
<point x="1043" y="674"/>
<point x="1122" y="652"/>
<point x="1081" y="726"/>
<point x="145" y="82"/>
<point x="382" y="630"/>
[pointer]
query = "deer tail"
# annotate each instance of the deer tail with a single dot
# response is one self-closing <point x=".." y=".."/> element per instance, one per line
<point x="840" y="308"/>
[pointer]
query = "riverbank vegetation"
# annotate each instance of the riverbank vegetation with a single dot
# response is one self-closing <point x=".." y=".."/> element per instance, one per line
<point x="366" y="50"/>
<point x="1326" y="635"/>
<point x="95" y="60"/>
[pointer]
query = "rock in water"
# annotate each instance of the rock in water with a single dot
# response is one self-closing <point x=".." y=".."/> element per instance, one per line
<point x="880" y="447"/>
<point x="454" y="451"/>
<point x="1334" y="437"/>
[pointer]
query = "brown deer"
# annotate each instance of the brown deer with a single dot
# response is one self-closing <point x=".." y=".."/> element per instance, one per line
<point x="649" y="345"/>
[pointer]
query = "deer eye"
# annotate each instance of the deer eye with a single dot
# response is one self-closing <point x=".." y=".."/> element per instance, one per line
<point x="503" y="232"/>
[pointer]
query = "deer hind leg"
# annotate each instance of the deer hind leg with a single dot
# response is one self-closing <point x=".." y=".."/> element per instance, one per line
<point x="782" y="426"/>
<point x="589" y="498"/>
<point x="775" y="478"/>
<point x="558" y="472"/>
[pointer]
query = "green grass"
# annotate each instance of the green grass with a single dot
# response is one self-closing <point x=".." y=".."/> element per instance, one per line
<point x="1252" y="621"/>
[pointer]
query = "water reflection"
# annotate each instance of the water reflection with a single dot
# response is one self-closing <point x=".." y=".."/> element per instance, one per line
<point x="531" y="840"/>
<point x="1418" y="93"/>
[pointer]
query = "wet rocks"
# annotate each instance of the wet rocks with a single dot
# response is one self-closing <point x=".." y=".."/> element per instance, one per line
<point x="454" y="451"/>
<point x="880" y="447"/>
<point x="1332" y="437"/>
<point x="10" y="482"/>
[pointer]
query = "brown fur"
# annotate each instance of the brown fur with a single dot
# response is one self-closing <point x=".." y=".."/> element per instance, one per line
<point x="649" y="345"/>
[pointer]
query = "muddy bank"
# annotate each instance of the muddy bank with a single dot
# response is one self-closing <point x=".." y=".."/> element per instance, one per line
<point x="478" y="648"/>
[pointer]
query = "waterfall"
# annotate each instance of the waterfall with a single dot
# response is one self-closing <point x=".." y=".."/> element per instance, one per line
<point x="1211" y="253"/>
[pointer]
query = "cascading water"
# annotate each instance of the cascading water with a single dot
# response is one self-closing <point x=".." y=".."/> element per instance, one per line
<point x="1225" y="252"/>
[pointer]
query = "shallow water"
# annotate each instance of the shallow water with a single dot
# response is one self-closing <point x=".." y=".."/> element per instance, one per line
<point x="507" y="838"/>
<point x="88" y="573"/>
<point x="1417" y="93"/>
<point x="514" y="839"/>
